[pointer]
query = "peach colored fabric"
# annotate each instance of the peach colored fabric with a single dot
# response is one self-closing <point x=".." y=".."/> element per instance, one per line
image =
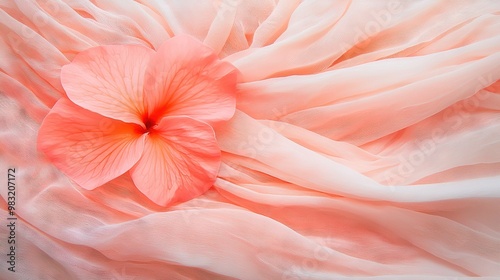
<point x="366" y="141"/>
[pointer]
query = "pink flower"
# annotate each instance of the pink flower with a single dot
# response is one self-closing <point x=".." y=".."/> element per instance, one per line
<point x="129" y="108"/>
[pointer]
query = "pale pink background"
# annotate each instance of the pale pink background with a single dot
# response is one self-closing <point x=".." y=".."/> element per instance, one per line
<point x="366" y="142"/>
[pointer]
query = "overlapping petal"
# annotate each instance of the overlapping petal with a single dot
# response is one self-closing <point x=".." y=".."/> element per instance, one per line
<point x="180" y="161"/>
<point x="89" y="148"/>
<point x="186" y="78"/>
<point x="109" y="80"/>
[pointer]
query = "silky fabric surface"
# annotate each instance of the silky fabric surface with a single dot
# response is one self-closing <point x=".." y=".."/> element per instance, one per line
<point x="366" y="142"/>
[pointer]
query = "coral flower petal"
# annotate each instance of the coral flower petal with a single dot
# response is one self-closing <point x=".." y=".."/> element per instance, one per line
<point x="187" y="78"/>
<point x="109" y="80"/>
<point x="89" y="148"/>
<point x="180" y="161"/>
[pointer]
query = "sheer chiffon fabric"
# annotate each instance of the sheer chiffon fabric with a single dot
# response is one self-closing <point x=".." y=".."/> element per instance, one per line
<point x="366" y="142"/>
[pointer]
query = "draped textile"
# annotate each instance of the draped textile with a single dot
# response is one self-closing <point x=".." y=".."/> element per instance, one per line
<point x="366" y="142"/>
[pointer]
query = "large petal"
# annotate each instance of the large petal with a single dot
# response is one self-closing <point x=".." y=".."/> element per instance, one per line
<point x="181" y="160"/>
<point x="109" y="80"/>
<point x="186" y="78"/>
<point x="89" y="148"/>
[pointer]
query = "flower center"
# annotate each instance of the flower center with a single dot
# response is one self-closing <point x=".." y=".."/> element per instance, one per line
<point x="149" y="123"/>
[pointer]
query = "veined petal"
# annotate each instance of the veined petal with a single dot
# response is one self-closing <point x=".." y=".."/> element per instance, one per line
<point x="89" y="148"/>
<point x="187" y="78"/>
<point x="109" y="80"/>
<point x="180" y="161"/>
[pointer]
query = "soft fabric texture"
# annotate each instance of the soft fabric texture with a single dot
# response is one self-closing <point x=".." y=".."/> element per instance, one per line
<point x="366" y="142"/>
